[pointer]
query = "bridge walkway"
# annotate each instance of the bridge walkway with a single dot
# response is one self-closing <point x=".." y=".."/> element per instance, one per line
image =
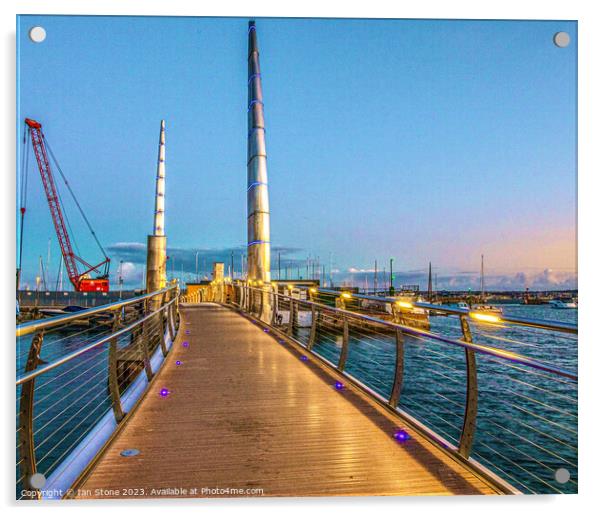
<point x="245" y="412"/>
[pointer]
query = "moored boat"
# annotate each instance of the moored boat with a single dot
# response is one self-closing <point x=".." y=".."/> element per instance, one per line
<point x="563" y="304"/>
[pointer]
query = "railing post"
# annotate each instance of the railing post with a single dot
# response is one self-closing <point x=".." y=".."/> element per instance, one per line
<point x="176" y="310"/>
<point x="274" y="306"/>
<point x="291" y="315"/>
<point x="472" y="394"/>
<point x="296" y="314"/>
<point x="113" y="379"/>
<point x="170" y="322"/>
<point x="399" y="360"/>
<point x="27" y="453"/>
<point x="314" y="324"/>
<point x="160" y="318"/>
<point x="260" y="313"/>
<point x="345" y="346"/>
<point x="144" y="345"/>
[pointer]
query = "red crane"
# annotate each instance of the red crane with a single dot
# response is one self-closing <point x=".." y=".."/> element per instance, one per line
<point x="81" y="280"/>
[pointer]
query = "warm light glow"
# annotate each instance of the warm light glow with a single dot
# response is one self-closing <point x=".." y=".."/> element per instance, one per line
<point x="346" y="295"/>
<point x="313" y="290"/>
<point x="483" y="317"/>
<point x="403" y="304"/>
<point x="290" y="286"/>
<point x="259" y="282"/>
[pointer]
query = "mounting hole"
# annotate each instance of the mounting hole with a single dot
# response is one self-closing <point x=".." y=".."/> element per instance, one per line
<point x="37" y="480"/>
<point x="37" y="34"/>
<point x="562" y="476"/>
<point x="562" y="39"/>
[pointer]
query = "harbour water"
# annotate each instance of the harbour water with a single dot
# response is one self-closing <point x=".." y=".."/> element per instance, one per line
<point x="527" y="419"/>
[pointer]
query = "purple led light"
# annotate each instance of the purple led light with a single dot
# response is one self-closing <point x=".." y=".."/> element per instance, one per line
<point x="187" y="331"/>
<point x="164" y="392"/>
<point x="266" y="330"/>
<point x="303" y="358"/>
<point x="185" y="344"/>
<point x="338" y="385"/>
<point x="401" y="435"/>
<point x="178" y="363"/>
<point x="280" y="341"/>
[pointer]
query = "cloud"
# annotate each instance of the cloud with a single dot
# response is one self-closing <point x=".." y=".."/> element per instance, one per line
<point x="130" y="272"/>
<point x="188" y="260"/>
<point x="133" y="255"/>
<point x="546" y="279"/>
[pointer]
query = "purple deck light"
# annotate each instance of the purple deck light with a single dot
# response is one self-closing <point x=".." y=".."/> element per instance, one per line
<point x="164" y="392"/>
<point x="338" y="385"/>
<point x="304" y="358"/>
<point x="266" y="330"/>
<point x="401" y="435"/>
<point x="185" y="343"/>
<point x="178" y="363"/>
<point x="187" y="331"/>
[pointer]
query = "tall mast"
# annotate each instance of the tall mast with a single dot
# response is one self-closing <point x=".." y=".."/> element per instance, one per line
<point x="430" y="286"/>
<point x="159" y="225"/>
<point x="258" y="210"/>
<point x="156" y="243"/>
<point x="482" y="278"/>
<point x="375" y="276"/>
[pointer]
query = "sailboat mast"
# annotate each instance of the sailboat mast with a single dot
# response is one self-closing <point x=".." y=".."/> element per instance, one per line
<point x="430" y="283"/>
<point x="375" y="276"/>
<point x="482" y="278"/>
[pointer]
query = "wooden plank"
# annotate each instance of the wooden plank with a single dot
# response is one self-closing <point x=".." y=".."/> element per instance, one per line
<point x="245" y="412"/>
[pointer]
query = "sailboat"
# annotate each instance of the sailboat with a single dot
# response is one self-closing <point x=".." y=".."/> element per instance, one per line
<point x="482" y="307"/>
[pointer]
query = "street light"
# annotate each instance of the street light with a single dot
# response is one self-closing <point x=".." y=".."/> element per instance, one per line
<point x="120" y="278"/>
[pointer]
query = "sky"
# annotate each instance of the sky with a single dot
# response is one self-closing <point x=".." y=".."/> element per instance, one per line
<point x="420" y="140"/>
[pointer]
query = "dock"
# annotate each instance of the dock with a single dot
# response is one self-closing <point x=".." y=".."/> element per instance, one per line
<point x="246" y="415"/>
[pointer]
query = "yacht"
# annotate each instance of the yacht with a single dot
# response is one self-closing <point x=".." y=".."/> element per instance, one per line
<point x="486" y="308"/>
<point x="563" y="304"/>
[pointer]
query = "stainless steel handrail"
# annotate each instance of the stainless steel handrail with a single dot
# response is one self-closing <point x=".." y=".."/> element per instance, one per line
<point x="413" y="331"/>
<point x="36" y="325"/>
<point x="529" y="322"/>
<point x="68" y="357"/>
<point x="415" y="407"/>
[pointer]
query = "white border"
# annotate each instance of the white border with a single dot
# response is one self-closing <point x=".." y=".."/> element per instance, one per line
<point x="590" y="170"/>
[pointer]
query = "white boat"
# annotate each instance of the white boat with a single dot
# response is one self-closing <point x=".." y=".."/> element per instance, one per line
<point x="563" y="304"/>
<point x="486" y="308"/>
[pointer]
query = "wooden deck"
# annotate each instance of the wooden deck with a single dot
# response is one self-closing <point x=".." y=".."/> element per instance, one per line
<point x="245" y="412"/>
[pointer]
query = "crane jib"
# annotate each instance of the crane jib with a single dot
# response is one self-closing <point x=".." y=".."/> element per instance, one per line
<point x="80" y="281"/>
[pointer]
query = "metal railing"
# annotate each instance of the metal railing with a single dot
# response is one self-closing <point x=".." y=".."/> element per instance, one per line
<point x="462" y="377"/>
<point x="78" y="377"/>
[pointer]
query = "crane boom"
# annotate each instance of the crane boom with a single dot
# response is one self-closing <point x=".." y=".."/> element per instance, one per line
<point x="80" y="281"/>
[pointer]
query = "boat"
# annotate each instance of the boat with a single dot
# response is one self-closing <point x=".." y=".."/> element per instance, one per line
<point x="68" y="310"/>
<point x="481" y="308"/>
<point x="563" y="304"/>
<point x="486" y="308"/>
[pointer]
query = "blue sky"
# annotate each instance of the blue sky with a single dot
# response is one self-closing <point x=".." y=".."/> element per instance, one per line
<point x="415" y="139"/>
